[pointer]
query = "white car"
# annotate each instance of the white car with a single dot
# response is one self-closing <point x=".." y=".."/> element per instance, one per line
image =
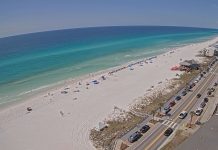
<point x="183" y="114"/>
<point x="198" y="111"/>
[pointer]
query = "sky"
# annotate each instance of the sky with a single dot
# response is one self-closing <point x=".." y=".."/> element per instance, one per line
<point x="27" y="16"/>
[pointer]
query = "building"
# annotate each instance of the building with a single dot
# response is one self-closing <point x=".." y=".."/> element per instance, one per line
<point x="216" y="50"/>
<point x="210" y="51"/>
<point x="189" y="64"/>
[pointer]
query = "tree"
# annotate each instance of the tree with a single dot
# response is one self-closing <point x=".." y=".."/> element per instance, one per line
<point x="192" y="113"/>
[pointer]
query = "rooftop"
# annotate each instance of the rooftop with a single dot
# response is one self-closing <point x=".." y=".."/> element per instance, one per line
<point x="188" y="62"/>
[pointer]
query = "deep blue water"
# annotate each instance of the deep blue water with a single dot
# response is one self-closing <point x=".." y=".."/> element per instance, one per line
<point x="33" y="60"/>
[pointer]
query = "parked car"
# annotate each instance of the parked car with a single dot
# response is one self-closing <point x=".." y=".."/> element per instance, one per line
<point x="212" y="89"/>
<point x="145" y="128"/>
<point x="199" y="78"/>
<point x="168" y="132"/>
<point x="184" y="93"/>
<point x="201" y="75"/>
<point x="178" y="98"/>
<point x="191" y="85"/>
<point x="199" y="111"/>
<point x="166" y="110"/>
<point x="209" y="93"/>
<point x="172" y="103"/>
<point x="134" y="137"/>
<point x="167" y="107"/>
<point x="202" y="105"/>
<point x="183" y="114"/>
<point x="198" y="95"/>
<point x="206" y="99"/>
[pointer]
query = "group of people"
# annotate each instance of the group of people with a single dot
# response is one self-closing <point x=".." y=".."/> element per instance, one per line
<point x="133" y="64"/>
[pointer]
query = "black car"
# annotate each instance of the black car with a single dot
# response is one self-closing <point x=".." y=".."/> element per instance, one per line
<point x="134" y="137"/>
<point x="184" y="93"/>
<point x="212" y="89"/>
<point x="144" y="129"/>
<point x="203" y="104"/>
<point x="178" y="98"/>
<point x="190" y="87"/>
<point x="198" y="95"/>
<point x="206" y="99"/>
<point x="168" y="132"/>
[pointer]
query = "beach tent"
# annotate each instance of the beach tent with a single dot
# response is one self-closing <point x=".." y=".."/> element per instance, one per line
<point x="95" y="82"/>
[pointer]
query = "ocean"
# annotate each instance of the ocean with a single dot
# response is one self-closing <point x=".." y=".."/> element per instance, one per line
<point x="32" y="61"/>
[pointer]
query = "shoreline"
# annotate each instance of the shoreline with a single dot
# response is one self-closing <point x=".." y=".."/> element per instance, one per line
<point x="72" y="114"/>
<point x="54" y="86"/>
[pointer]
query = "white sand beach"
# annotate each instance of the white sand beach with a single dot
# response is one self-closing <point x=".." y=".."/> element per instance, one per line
<point x="63" y="120"/>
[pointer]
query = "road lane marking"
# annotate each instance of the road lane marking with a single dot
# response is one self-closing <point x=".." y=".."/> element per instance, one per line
<point x="164" y="122"/>
<point x="174" y="125"/>
<point x="169" y="123"/>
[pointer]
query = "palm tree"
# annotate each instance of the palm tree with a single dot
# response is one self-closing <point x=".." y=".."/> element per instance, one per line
<point x="192" y="113"/>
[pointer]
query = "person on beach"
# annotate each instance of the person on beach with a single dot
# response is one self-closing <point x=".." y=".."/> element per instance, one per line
<point x="62" y="114"/>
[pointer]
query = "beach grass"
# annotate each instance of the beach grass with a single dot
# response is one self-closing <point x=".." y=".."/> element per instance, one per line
<point x="116" y="128"/>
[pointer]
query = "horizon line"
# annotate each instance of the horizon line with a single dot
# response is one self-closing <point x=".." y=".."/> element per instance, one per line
<point x="106" y="26"/>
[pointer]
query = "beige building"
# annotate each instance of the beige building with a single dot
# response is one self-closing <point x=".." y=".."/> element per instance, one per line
<point x="209" y="51"/>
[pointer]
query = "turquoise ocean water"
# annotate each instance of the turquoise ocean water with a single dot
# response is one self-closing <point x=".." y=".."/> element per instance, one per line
<point x="30" y="61"/>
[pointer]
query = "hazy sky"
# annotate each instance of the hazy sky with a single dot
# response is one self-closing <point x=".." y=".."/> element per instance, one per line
<point x="25" y="16"/>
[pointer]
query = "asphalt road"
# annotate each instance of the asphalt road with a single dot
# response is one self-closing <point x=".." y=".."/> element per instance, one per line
<point x="156" y="138"/>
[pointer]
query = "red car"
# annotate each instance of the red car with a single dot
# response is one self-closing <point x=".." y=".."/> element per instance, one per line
<point x="172" y="103"/>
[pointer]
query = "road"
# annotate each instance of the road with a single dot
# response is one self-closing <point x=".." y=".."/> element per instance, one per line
<point x="155" y="137"/>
